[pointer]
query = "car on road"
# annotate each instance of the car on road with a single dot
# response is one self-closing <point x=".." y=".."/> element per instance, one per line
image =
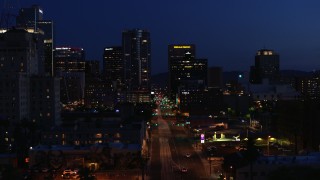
<point x="188" y="155"/>
<point x="67" y="171"/>
<point x="184" y="170"/>
<point x="66" y="176"/>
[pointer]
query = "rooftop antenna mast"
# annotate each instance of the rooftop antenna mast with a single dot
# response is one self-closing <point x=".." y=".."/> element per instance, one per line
<point x="9" y="11"/>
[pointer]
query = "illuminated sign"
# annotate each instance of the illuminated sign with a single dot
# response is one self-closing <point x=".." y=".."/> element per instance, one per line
<point x="108" y="49"/>
<point x="202" y="138"/>
<point x="40" y="11"/>
<point x="181" y="47"/>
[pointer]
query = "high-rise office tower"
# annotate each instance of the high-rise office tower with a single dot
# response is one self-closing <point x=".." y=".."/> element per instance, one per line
<point x="21" y="87"/>
<point x="113" y="64"/>
<point x="47" y="27"/>
<point x="266" y="67"/>
<point x="32" y="17"/>
<point x="184" y="70"/>
<point x="19" y="52"/>
<point x="179" y="51"/>
<point x="70" y="66"/>
<point x="136" y="46"/>
<point x="69" y="59"/>
<point x="18" y="61"/>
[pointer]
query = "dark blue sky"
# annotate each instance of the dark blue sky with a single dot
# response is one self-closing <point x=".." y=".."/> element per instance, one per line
<point x="226" y="32"/>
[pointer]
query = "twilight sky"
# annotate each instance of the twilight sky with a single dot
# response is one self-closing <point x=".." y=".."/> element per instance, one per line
<point x="226" y="32"/>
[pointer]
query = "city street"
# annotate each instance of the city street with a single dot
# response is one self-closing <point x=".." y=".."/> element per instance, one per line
<point x="170" y="146"/>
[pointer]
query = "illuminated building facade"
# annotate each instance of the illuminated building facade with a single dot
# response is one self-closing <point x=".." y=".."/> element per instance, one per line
<point x="113" y="69"/>
<point x="70" y="66"/>
<point x="69" y="59"/>
<point x="184" y="70"/>
<point x="178" y="54"/>
<point x="188" y="78"/>
<point x="99" y="93"/>
<point x="201" y="101"/>
<point x="266" y="67"/>
<point x="113" y="64"/>
<point x="136" y="46"/>
<point x="309" y="87"/>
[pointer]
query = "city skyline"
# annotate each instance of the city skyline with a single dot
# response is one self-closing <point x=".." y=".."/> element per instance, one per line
<point x="62" y="116"/>
<point x="228" y="34"/>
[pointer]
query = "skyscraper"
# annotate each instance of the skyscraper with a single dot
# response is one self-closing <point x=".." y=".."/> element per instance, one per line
<point x="136" y="46"/>
<point x="184" y="70"/>
<point x="113" y="65"/>
<point x="21" y="87"/>
<point x="16" y="66"/>
<point x="32" y="17"/>
<point x="188" y="78"/>
<point x="70" y="66"/>
<point x="19" y="52"/>
<point x="266" y="67"/>
<point x="47" y="27"/>
<point x="69" y="59"/>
